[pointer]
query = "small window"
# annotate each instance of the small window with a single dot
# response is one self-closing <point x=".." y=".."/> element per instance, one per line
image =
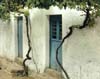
<point x="56" y="27"/>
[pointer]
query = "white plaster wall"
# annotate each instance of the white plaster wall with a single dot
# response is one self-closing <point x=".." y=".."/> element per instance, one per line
<point x="81" y="53"/>
<point x="40" y="33"/>
<point x="38" y="40"/>
<point x="39" y="36"/>
<point x="7" y="39"/>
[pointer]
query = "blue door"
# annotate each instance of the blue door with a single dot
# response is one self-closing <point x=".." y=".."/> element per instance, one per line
<point x="19" y="36"/>
<point x="55" y="39"/>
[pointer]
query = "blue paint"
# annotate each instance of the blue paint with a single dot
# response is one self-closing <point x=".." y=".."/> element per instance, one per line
<point x="20" y="36"/>
<point x="55" y="39"/>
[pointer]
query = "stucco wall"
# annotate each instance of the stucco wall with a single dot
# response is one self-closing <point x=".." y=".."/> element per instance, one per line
<point x="81" y="56"/>
<point x="40" y="33"/>
<point x="37" y="36"/>
<point x="7" y="38"/>
<point x="80" y="51"/>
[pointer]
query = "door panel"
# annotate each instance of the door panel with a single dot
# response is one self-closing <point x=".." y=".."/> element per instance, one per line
<point x="55" y="39"/>
<point x="20" y="37"/>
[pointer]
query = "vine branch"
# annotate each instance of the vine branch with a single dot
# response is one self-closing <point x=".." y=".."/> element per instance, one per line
<point x="85" y="23"/>
<point x="29" y="45"/>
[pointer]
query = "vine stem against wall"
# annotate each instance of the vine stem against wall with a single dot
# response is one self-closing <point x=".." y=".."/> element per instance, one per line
<point x="85" y="23"/>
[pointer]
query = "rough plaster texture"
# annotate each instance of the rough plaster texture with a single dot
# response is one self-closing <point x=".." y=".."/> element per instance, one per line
<point x="7" y="38"/>
<point x="80" y="51"/>
<point x="40" y="32"/>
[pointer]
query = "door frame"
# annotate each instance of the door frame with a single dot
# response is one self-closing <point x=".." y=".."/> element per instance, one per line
<point x="21" y="51"/>
<point x="50" y="38"/>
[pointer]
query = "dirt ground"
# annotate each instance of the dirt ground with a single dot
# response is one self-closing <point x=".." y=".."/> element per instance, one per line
<point x="6" y="67"/>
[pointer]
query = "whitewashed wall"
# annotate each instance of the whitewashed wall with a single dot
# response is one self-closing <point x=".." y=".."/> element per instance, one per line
<point x="8" y="38"/>
<point x="40" y="32"/>
<point x="80" y="51"/>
